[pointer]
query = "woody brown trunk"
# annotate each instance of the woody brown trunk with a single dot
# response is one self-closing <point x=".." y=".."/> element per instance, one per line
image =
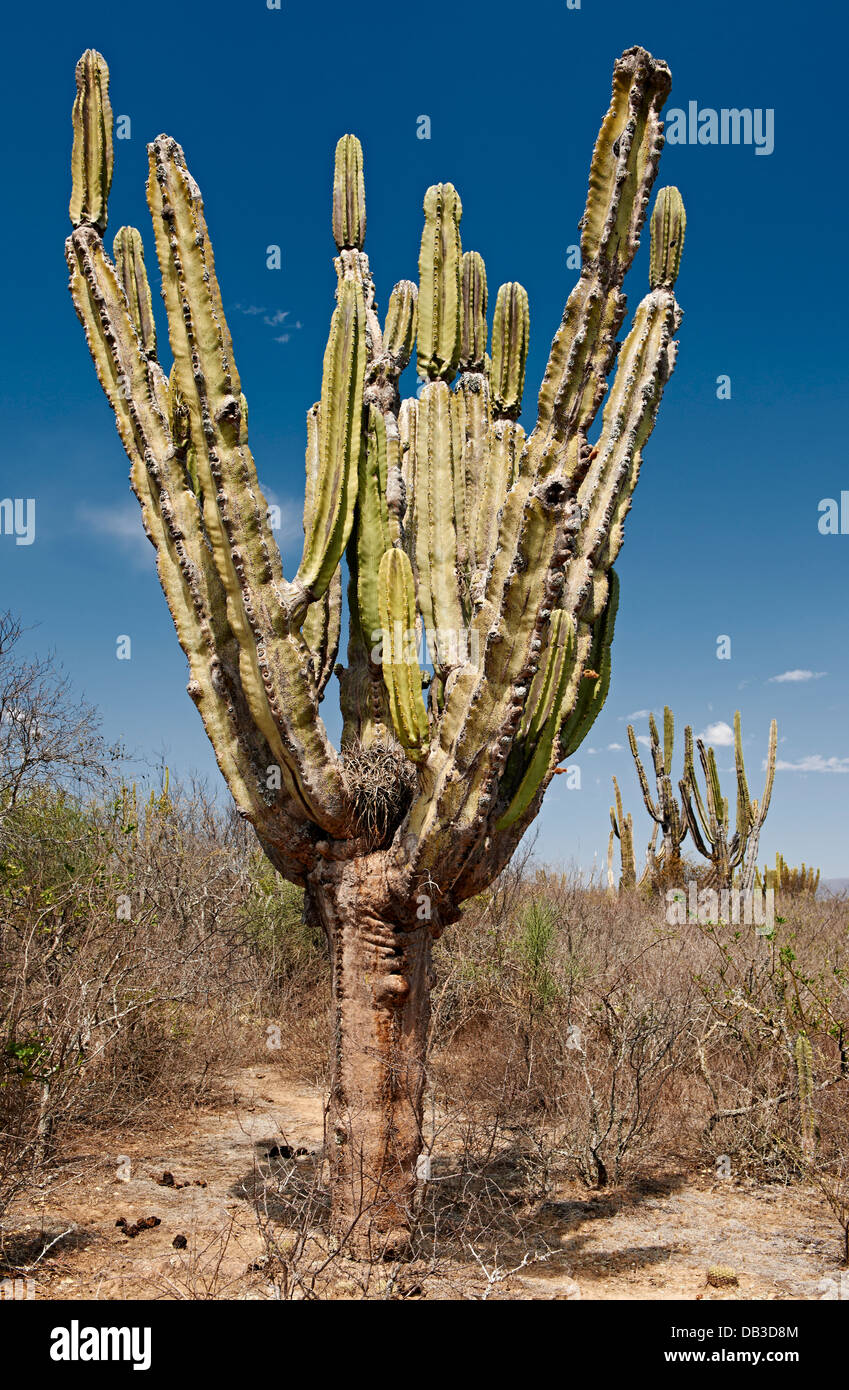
<point x="381" y="996"/>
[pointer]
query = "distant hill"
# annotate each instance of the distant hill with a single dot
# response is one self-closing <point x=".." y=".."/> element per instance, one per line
<point x="833" y="887"/>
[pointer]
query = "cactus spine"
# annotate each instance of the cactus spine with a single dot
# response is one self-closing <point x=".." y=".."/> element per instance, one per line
<point x="456" y="526"/>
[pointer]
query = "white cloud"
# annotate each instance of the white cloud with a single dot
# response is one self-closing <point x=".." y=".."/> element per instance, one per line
<point x="637" y="714"/>
<point x="814" y="762"/>
<point x="798" y="675"/>
<point x="276" y="318"/>
<point x="614" y="747"/>
<point x="644" y="738"/>
<point x="290" y="516"/>
<point x="121" y="523"/>
<point x="719" y="735"/>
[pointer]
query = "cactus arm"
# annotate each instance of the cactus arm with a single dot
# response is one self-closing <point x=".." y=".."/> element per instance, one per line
<point x="436" y="524"/>
<point x="473" y="329"/>
<point x="339" y="443"/>
<point x="537" y="736"/>
<point x="138" y="393"/>
<point x="510" y="329"/>
<point x="653" y="810"/>
<point x="349" y="198"/>
<point x="400" y="668"/>
<point x="399" y="332"/>
<point x="770" y="773"/>
<point x="624" y="165"/>
<point x="592" y="693"/>
<point x="321" y="630"/>
<point x="440" y="257"/>
<point x="622" y="827"/>
<point x="128" y="253"/>
<point x="91" y="157"/>
<point x="492" y="481"/>
<point x="643" y="369"/>
<point x="140" y="396"/>
<point x="322" y="622"/>
<point x="278" y="688"/>
<point x="758" y="814"/>
<point x="373" y="522"/>
<point x="538" y="523"/>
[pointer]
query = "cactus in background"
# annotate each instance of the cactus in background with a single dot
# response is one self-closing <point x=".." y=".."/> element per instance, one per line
<point x="622" y="829"/>
<point x="803" y="1053"/>
<point x="783" y="879"/>
<point x="459" y="530"/>
<point x="665" y="811"/>
<point x="708" y="818"/>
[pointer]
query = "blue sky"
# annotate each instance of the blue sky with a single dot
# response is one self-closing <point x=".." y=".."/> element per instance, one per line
<point x="723" y="536"/>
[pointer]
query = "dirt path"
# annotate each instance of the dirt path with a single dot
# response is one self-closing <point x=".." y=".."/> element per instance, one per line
<point x="654" y="1241"/>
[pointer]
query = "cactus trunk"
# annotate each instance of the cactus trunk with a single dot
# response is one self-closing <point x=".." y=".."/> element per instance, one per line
<point x="381" y="1004"/>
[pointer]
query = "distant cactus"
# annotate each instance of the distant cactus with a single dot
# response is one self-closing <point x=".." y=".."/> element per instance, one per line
<point x="665" y="810"/>
<point x="622" y="828"/>
<point x="456" y="526"/>
<point x="784" y="879"/>
<point x="708" y="818"/>
<point x="804" y="1055"/>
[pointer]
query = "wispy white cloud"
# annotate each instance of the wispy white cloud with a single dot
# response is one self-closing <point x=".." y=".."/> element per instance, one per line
<point x="121" y="523"/>
<point x="814" y="762"/>
<point x="644" y="739"/>
<point x="798" y="675"/>
<point x="614" y="747"/>
<point x="720" y="735"/>
<point x="250" y="309"/>
<point x="636" y="714"/>
<point x="286" y="516"/>
<point x="277" y="317"/>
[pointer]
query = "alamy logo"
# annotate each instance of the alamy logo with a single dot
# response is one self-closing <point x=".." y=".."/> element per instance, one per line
<point x="731" y="125"/>
<point x="733" y="905"/>
<point x="17" y="518"/>
<point x="77" y="1343"/>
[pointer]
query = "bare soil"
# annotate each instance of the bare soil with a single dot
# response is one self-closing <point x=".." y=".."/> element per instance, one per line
<point x="654" y="1239"/>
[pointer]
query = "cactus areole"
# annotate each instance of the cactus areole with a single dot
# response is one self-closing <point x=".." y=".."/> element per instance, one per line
<point x="459" y="530"/>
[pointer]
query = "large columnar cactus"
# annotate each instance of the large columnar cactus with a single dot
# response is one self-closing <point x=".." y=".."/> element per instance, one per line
<point x="708" y="818"/>
<point x="664" y="810"/>
<point x="457" y="528"/>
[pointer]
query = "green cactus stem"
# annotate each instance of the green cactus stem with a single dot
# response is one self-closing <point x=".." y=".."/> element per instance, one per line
<point x="91" y="159"/>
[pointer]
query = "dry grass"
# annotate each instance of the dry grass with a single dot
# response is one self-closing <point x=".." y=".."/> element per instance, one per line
<point x="148" y="950"/>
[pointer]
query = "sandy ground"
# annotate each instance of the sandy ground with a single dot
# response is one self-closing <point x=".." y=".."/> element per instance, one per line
<point x="655" y="1240"/>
